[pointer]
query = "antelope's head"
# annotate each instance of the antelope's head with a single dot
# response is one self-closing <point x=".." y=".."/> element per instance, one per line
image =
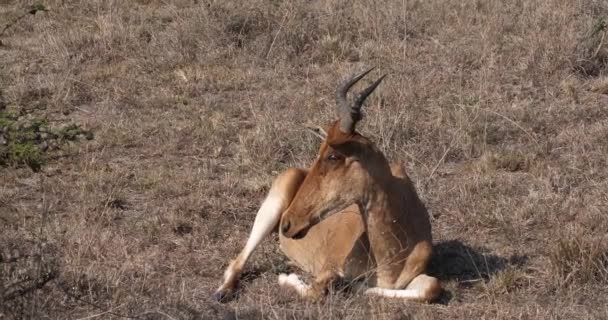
<point x="344" y="171"/>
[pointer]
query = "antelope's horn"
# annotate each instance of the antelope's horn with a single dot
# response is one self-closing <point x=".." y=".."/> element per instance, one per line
<point x="350" y="114"/>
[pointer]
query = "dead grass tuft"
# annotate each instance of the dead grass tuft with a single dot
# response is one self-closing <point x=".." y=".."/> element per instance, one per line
<point x="580" y="259"/>
<point x="172" y="118"/>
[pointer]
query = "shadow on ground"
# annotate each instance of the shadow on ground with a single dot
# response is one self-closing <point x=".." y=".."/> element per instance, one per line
<point x="455" y="261"/>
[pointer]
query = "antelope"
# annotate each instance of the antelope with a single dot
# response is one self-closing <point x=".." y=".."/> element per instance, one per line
<point x="352" y="215"/>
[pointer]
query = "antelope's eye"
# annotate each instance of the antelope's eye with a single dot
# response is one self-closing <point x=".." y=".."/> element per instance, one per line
<point x="333" y="157"/>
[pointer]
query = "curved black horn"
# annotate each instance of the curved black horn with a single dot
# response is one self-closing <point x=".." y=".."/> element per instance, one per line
<point x="350" y="114"/>
<point x="365" y="93"/>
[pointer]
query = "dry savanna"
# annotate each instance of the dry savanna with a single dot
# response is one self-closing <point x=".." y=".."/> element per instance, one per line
<point x="138" y="139"/>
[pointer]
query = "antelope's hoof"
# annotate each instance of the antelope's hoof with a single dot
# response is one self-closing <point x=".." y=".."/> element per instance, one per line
<point x="223" y="296"/>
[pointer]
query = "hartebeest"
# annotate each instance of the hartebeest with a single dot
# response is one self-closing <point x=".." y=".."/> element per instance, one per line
<point x="351" y="215"/>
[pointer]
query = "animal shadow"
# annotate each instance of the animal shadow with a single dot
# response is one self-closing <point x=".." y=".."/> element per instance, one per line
<point x="455" y="261"/>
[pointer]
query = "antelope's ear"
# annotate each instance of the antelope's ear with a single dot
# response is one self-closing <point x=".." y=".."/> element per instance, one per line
<point x="316" y="130"/>
<point x="352" y="146"/>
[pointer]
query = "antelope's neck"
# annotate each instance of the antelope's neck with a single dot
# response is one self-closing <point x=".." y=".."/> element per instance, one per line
<point x="386" y="228"/>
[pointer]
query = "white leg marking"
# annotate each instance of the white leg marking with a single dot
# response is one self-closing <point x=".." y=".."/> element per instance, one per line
<point x="395" y="293"/>
<point x="419" y="289"/>
<point x="267" y="217"/>
<point x="293" y="281"/>
<point x="229" y="273"/>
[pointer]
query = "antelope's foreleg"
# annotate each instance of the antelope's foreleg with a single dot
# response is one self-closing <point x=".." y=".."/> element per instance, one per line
<point x="310" y="292"/>
<point x="280" y="195"/>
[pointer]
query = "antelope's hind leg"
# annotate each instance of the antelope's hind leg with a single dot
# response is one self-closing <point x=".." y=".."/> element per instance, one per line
<point x="422" y="288"/>
<point x="280" y="195"/>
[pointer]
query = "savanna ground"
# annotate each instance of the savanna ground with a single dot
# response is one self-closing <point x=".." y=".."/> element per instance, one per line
<point x="138" y="138"/>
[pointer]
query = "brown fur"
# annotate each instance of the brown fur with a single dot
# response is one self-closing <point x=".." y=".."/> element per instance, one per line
<point x="353" y="215"/>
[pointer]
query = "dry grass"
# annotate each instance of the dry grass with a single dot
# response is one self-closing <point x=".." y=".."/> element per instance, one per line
<point x="498" y="107"/>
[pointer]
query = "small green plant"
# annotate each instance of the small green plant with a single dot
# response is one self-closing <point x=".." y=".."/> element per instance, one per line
<point x="25" y="138"/>
<point x="26" y="153"/>
<point x="72" y="131"/>
<point x="18" y="140"/>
